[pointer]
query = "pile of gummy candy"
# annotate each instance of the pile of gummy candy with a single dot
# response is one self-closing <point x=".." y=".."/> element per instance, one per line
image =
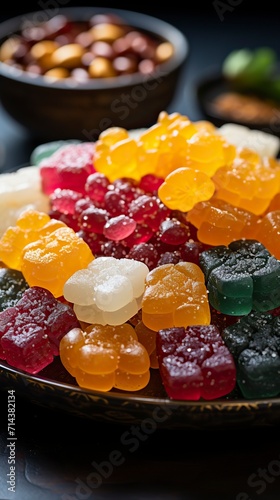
<point x="150" y="251"/>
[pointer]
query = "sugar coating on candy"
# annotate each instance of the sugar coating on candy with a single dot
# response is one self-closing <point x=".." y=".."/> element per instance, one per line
<point x="195" y="363"/>
<point x="45" y="150"/>
<point x="64" y="200"/>
<point x="106" y="357"/>
<point x="241" y="277"/>
<point x="254" y="341"/>
<point x="12" y="287"/>
<point x="67" y="168"/>
<point x="175" y="295"/>
<point x="20" y="191"/>
<point x="108" y="291"/>
<point x="31" y="330"/>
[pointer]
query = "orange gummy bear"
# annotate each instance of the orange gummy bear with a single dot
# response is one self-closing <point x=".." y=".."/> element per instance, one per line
<point x="29" y="226"/>
<point x="104" y="357"/>
<point x="184" y="187"/>
<point x="208" y="152"/>
<point x="175" y="295"/>
<point x="49" y="261"/>
<point x="220" y="223"/>
<point x="248" y="184"/>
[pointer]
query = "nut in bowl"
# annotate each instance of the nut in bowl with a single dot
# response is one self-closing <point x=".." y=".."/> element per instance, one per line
<point x="75" y="74"/>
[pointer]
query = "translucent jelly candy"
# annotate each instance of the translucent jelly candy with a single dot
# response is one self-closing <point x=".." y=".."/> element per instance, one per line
<point x="119" y="228"/>
<point x="175" y="295"/>
<point x="172" y="142"/>
<point x="67" y="168"/>
<point x="208" y="151"/>
<point x="115" y="159"/>
<point x="27" y="229"/>
<point x="174" y="122"/>
<point x="254" y="344"/>
<point x="51" y="259"/>
<point x="12" y="287"/>
<point x="274" y="204"/>
<point x="219" y="222"/>
<point x="31" y="330"/>
<point x="195" y="363"/>
<point x="108" y="291"/>
<point x="104" y="357"/>
<point x="184" y="187"/>
<point x="241" y="277"/>
<point x="248" y="182"/>
<point x="268" y="232"/>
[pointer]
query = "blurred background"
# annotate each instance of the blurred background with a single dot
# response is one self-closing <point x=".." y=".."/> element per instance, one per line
<point x="213" y="29"/>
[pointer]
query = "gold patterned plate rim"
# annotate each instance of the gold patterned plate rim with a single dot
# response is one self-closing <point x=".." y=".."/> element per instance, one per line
<point x="53" y="389"/>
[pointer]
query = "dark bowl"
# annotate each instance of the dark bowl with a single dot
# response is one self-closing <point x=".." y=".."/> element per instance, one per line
<point x="62" y="110"/>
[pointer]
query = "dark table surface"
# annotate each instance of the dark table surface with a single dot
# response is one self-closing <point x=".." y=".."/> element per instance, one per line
<point x="57" y="455"/>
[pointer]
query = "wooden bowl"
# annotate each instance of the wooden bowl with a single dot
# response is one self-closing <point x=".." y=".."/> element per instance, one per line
<point x="62" y="110"/>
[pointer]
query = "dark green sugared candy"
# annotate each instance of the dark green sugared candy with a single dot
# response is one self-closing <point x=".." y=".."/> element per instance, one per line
<point x="12" y="287"/>
<point x="241" y="277"/>
<point x="254" y="342"/>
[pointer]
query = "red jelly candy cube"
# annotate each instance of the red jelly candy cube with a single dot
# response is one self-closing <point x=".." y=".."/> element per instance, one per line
<point x="195" y="363"/>
<point x="68" y="168"/>
<point x="30" y="332"/>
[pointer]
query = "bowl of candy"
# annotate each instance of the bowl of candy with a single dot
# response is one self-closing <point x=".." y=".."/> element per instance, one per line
<point x="77" y="73"/>
<point x="131" y="283"/>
